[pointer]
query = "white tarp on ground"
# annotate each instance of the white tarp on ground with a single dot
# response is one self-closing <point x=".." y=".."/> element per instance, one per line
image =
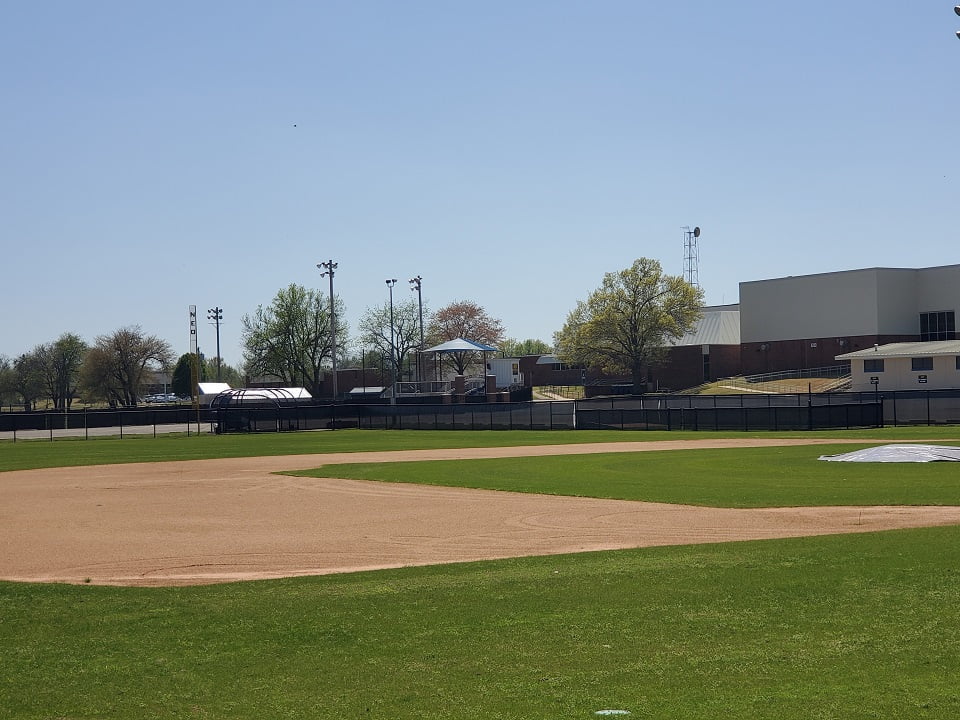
<point x="899" y="453"/>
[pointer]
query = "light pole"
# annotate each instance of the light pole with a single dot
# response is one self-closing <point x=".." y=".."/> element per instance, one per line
<point x="216" y="314"/>
<point x="393" y="352"/>
<point x="327" y="269"/>
<point x="415" y="285"/>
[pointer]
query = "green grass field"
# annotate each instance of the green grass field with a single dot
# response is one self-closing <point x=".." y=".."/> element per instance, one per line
<point x="28" y="454"/>
<point x="852" y="626"/>
<point x="748" y="477"/>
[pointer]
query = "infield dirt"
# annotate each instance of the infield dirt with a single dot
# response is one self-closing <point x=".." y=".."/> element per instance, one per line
<point x="206" y="521"/>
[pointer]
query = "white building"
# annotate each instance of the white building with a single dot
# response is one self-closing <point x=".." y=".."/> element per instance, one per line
<point x="906" y="366"/>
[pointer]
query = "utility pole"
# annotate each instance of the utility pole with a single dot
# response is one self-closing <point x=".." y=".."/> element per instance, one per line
<point x="216" y="314"/>
<point x="415" y="285"/>
<point x="328" y="268"/>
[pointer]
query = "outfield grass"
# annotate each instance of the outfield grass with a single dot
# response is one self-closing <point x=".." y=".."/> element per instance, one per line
<point x="24" y="455"/>
<point x="747" y="477"/>
<point x="859" y="626"/>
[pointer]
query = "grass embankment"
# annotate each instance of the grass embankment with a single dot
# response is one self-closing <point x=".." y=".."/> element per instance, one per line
<point x="862" y="626"/>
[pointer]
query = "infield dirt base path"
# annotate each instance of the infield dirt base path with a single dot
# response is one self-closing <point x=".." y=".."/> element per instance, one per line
<point x="205" y="521"/>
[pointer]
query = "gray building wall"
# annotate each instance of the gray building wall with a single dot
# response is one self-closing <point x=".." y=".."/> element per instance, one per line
<point x="868" y="302"/>
<point x="809" y="306"/>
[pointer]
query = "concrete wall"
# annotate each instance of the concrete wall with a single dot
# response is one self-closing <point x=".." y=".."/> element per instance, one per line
<point x="855" y="303"/>
<point x="938" y="289"/>
<point x="897" y="312"/>
<point x="809" y="306"/>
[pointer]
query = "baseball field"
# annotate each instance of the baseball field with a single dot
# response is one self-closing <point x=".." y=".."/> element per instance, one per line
<point x="456" y="574"/>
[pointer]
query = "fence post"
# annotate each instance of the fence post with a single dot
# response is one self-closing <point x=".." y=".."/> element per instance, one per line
<point x="928" y="408"/>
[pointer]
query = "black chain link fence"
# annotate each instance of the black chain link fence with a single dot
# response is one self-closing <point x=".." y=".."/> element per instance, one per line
<point x="644" y="412"/>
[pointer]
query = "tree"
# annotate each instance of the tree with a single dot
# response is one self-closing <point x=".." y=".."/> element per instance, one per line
<point x="519" y="348"/>
<point x="27" y="379"/>
<point x="7" y="382"/>
<point x="375" y="332"/>
<point x="60" y="363"/>
<point x="467" y="320"/>
<point x="114" y="368"/>
<point x="290" y="339"/>
<point x="181" y="379"/>
<point x="228" y="374"/>
<point x="627" y="324"/>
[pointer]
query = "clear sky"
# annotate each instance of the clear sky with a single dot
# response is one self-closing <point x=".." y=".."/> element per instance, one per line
<point x="158" y="155"/>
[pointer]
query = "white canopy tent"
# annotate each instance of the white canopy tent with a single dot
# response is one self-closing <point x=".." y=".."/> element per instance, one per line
<point x="460" y="345"/>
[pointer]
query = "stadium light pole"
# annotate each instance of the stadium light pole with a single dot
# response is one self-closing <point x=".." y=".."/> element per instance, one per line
<point x="415" y="285"/>
<point x="326" y="269"/>
<point x="216" y="314"/>
<point x="393" y="350"/>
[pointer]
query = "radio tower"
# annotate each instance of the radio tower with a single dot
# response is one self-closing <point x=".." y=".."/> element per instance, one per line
<point x="691" y="256"/>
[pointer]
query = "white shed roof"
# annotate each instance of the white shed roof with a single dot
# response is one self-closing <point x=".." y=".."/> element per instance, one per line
<point x="906" y="349"/>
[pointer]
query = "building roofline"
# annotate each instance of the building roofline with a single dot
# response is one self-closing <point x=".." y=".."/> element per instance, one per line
<point x="855" y="270"/>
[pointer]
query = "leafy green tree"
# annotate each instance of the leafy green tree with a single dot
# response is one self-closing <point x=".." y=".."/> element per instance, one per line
<point x="290" y="338"/>
<point x="228" y="374"/>
<point x="181" y="379"/>
<point x="626" y="325"/>
<point x="464" y="319"/>
<point x="60" y="363"/>
<point x="519" y="348"/>
<point x="115" y="367"/>
<point x="375" y="333"/>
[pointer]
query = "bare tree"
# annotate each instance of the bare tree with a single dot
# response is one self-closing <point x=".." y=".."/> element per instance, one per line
<point x="375" y="331"/>
<point x="60" y="363"/>
<point x="114" y="367"/>
<point x="27" y="379"/>
<point x="464" y="319"/>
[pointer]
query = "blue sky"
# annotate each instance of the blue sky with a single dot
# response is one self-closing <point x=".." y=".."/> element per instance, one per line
<point x="158" y="155"/>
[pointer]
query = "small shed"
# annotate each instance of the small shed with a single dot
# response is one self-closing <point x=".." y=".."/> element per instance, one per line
<point x="905" y="366"/>
<point x="209" y="390"/>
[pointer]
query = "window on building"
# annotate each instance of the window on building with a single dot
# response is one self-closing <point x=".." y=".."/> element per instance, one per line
<point x="958" y="362"/>
<point x="938" y="326"/>
<point x="873" y="366"/>
<point x="921" y="364"/>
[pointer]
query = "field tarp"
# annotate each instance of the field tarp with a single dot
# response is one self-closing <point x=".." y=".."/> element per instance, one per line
<point x="899" y="453"/>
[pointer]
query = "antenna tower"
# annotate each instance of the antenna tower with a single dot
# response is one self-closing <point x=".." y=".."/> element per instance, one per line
<point x="691" y="256"/>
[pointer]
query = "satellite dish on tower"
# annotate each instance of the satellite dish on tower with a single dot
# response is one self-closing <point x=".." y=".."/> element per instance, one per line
<point x="696" y="232"/>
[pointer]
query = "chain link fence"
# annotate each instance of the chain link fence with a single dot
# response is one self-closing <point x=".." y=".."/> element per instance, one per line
<point x="644" y="412"/>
